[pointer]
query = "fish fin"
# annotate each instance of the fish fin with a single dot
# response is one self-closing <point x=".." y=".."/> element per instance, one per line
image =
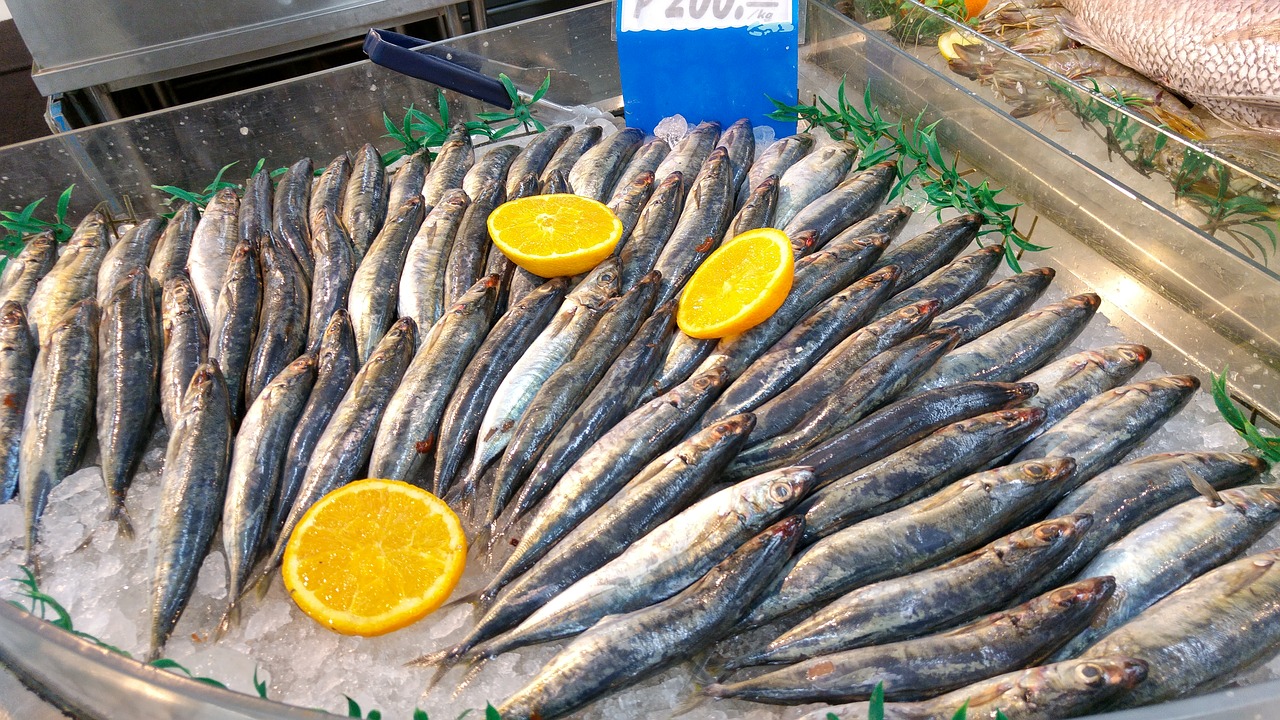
<point x="1081" y="34"/>
<point x="484" y="538"/>
<point x="260" y="583"/>
<point x="470" y="598"/>
<point x="229" y="618"/>
<point x="1269" y="31"/>
<point x="1203" y="487"/>
<point x="693" y="701"/>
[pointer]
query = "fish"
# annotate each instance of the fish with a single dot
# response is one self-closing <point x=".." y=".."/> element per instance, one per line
<point x="364" y="201"/>
<point x="471" y="243"/>
<point x="185" y="343"/>
<point x="1203" y="634"/>
<point x="879" y="381"/>
<point x="596" y="172"/>
<point x="774" y="160"/>
<point x="1106" y="427"/>
<point x="1132" y="493"/>
<point x="959" y="518"/>
<point x="59" y="414"/>
<point x="811" y="177"/>
<point x="690" y="153"/>
<point x="282" y="324"/>
<point x="525" y="187"/>
<point x="652" y="230"/>
<point x="17" y="361"/>
<point x="782" y="411"/>
<point x="624" y="649"/>
<point x="253" y="476"/>
<point x="616" y="458"/>
<point x="849" y="202"/>
<point x="212" y="245"/>
<point x="920" y="668"/>
<point x="757" y="210"/>
<point x="408" y="179"/>
<point x="665" y="561"/>
<point x="234" y="324"/>
<point x="817" y="277"/>
<point x="889" y="221"/>
<point x="923" y="254"/>
<point x="336" y="365"/>
<point x="328" y="190"/>
<point x="344" y="446"/>
<point x="289" y="226"/>
<point x="493" y="165"/>
<point x="568" y="154"/>
<point x="1048" y="692"/>
<point x="406" y="435"/>
<point x="1215" y="54"/>
<point x="614" y="396"/>
<point x="255" y="216"/>
<point x="1067" y="383"/>
<point x="918" y="470"/>
<point x="128" y="377"/>
<point x="72" y="278"/>
<point x="534" y="156"/>
<point x="1171" y="549"/>
<point x="23" y="273"/>
<point x="990" y="308"/>
<point x="170" y="254"/>
<point x="628" y="203"/>
<point x="951" y="284"/>
<point x="454" y="158"/>
<point x="192" y="486"/>
<point x="684" y="354"/>
<point x="786" y="360"/>
<point x="740" y="140"/>
<point x="665" y="486"/>
<point x="566" y="388"/>
<point x="646" y="159"/>
<point x="1014" y="349"/>
<point x="422" y="280"/>
<point x="700" y="228"/>
<point x="131" y="251"/>
<point x="335" y="258"/>
<point x="375" y="285"/>
<point x="505" y="344"/>
<point x="562" y="337"/>
<point x="914" y="604"/>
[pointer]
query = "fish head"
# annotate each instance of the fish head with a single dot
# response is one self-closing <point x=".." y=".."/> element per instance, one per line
<point x="1084" y="596"/>
<point x="1088" y="302"/>
<point x="1122" y="361"/>
<point x="1055" y="532"/>
<point x="603" y="281"/>
<point x="1021" y="391"/>
<point x="876" y="242"/>
<point x="1104" y="673"/>
<point x="777" y="490"/>
<point x="179" y="297"/>
<point x="1018" y="419"/>
<point x="1044" y="470"/>
<point x="12" y="315"/>
<point x="734" y="426"/>
<point x="671" y="183"/>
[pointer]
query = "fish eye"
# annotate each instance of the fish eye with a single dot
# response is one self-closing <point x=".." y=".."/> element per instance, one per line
<point x="1091" y="674"/>
<point x="781" y="491"/>
<point x="1037" y="470"/>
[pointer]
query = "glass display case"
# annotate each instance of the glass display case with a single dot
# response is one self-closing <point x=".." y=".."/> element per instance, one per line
<point x="1198" y="300"/>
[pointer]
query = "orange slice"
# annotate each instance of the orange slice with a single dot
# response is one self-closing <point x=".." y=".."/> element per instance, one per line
<point x="738" y="286"/>
<point x="374" y="556"/>
<point x="554" y="235"/>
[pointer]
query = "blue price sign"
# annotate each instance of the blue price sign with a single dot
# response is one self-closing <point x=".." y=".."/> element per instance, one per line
<point x="706" y="59"/>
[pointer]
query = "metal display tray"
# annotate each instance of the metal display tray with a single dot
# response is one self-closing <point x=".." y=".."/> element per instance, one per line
<point x="1165" y="284"/>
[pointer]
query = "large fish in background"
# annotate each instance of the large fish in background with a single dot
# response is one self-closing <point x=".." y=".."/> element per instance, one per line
<point x="1221" y="54"/>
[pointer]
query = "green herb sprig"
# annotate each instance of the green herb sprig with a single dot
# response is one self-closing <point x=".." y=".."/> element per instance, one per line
<point x="1269" y="447"/>
<point x="198" y="198"/>
<point x="520" y="115"/>
<point x="875" y="707"/>
<point x="920" y="160"/>
<point x="19" y="225"/>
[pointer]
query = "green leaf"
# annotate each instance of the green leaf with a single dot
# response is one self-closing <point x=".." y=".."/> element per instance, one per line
<point x="1001" y="716"/>
<point x="542" y="89"/>
<point x="962" y="713"/>
<point x="353" y="707"/>
<point x="374" y="715"/>
<point x="420" y="714"/>
<point x="257" y="167"/>
<point x="510" y="86"/>
<point x="259" y="685"/>
<point x="491" y="712"/>
<point x="64" y="202"/>
<point x="217" y="183"/>
<point x="181" y="194"/>
<point x="875" y="708"/>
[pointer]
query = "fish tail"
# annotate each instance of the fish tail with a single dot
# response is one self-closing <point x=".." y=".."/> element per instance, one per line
<point x="229" y="618"/>
<point x="470" y="598"/>
<point x="484" y="538"/>
<point x="123" y="524"/>
<point x="473" y="671"/>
